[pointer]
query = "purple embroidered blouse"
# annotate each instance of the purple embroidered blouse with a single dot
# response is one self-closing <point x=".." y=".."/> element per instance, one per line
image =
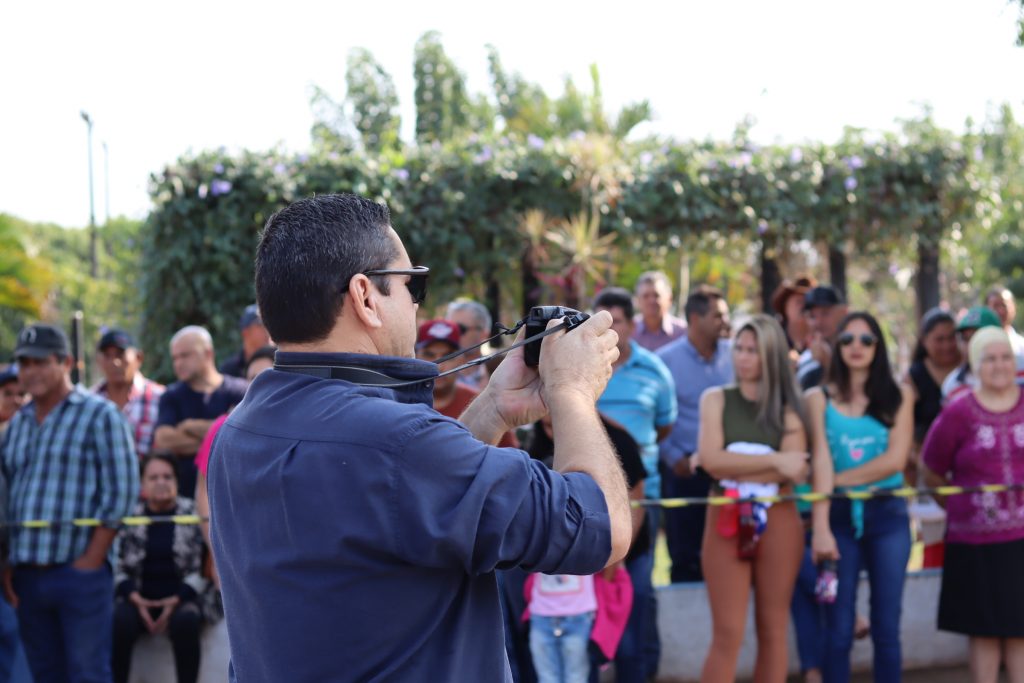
<point x="972" y="446"/>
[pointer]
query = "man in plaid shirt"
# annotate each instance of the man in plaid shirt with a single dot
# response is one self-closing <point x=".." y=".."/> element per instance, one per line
<point x="66" y="455"/>
<point x="138" y="397"/>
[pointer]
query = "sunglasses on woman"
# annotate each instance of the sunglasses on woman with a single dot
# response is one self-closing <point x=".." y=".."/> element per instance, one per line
<point x="866" y="340"/>
<point x="417" y="284"/>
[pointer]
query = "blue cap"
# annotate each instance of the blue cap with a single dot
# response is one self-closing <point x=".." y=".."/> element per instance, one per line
<point x="9" y="374"/>
<point x="250" y="315"/>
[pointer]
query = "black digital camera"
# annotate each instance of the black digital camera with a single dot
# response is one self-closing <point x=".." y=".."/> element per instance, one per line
<point x="537" y="322"/>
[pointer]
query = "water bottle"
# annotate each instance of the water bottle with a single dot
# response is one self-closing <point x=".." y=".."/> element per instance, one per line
<point x="827" y="586"/>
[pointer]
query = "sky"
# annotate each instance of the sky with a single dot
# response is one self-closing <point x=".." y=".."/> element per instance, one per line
<point x="163" y="79"/>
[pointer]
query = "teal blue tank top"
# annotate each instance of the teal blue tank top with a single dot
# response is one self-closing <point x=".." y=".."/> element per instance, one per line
<point x="854" y="441"/>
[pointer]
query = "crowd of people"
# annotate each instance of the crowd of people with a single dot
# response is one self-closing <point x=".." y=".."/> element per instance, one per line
<point x="803" y="398"/>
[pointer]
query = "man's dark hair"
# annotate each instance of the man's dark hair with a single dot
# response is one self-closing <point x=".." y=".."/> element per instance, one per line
<point x="307" y="254"/>
<point x="700" y="299"/>
<point x="615" y="297"/>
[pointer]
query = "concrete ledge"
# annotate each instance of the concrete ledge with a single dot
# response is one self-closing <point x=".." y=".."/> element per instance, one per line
<point x="684" y="621"/>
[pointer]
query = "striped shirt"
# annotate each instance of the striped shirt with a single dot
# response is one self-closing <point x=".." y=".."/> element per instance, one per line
<point x="80" y="462"/>
<point x="140" y="411"/>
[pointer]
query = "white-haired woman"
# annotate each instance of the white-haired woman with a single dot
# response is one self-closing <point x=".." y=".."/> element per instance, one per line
<point x="979" y="439"/>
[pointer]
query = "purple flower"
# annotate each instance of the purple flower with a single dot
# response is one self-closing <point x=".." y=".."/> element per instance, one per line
<point x="219" y="187"/>
<point x="894" y="269"/>
<point x="534" y="142"/>
<point x="577" y="135"/>
<point x="333" y="156"/>
<point x="646" y="158"/>
<point x="219" y="168"/>
<point x="979" y="153"/>
<point x="459" y="272"/>
<point x="796" y="155"/>
<point x="762" y="226"/>
<point x="280" y="168"/>
<point x="303" y="158"/>
<point x="401" y="174"/>
<point x="850" y="184"/>
<point x="854" y="162"/>
<point x="484" y="156"/>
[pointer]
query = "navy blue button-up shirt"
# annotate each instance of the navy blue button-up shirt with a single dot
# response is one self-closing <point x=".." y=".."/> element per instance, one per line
<point x="356" y="530"/>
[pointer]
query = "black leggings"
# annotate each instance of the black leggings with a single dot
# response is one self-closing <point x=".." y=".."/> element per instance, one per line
<point x="182" y="628"/>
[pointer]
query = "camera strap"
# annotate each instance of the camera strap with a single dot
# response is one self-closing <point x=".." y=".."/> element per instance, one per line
<point x="372" y="378"/>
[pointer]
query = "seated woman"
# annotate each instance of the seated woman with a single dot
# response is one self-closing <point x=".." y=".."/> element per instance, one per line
<point x="753" y="441"/>
<point x="979" y="439"/>
<point x="158" y="575"/>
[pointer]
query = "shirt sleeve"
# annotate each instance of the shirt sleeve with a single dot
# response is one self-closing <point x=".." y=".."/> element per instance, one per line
<point x="943" y="440"/>
<point x="167" y="412"/>
<point x="668" y="407"/>
<point x="203" y="456"/>
<point x="461" y="502"/>
<point x="118" y="465"/>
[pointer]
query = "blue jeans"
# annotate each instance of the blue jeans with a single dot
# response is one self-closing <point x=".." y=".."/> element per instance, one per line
<point x="66" y="619"/>
<point x="808" y="616"/>
<point x="883" y="551"/>
<point x="559" y="646"/>
<point x="631" y="658"/>
<point x="13" y="665"/>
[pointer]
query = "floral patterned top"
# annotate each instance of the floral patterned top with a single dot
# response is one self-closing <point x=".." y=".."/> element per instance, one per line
<point x="972" y="446"/>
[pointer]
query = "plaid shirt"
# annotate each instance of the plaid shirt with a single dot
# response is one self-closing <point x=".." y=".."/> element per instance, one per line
<point x="141" y="409"/>
<point x="79" y="462"/>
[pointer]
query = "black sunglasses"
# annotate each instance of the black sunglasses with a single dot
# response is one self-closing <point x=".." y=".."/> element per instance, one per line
<point x="417" y="283"/>
<point x="866" y="340"/>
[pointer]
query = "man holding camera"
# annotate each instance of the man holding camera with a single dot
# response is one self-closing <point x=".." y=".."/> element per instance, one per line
<point x="373" y="525"/>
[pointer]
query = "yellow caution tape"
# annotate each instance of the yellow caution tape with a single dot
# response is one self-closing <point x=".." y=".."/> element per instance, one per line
<point x="711" y="501"/>
<point x="904" y="492"/>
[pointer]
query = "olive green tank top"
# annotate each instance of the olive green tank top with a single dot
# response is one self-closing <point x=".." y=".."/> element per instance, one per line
<point x="739" y="421"/>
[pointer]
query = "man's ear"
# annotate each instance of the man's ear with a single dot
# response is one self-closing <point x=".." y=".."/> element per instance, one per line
<point x="364" y="301"/>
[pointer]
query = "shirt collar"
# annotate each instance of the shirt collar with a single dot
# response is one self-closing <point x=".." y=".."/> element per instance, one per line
<point x="408" y="369"/>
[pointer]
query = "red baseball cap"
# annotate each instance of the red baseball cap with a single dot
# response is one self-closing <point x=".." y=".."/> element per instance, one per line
<point x="438" y="330"/>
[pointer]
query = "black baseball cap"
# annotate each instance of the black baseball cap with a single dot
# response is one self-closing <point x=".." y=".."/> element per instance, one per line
<point x="821" y="296"/>
<point x="117" y="338"/>
<point x="42" y="341"/>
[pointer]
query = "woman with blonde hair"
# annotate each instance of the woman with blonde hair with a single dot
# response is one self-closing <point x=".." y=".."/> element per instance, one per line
<point x="753" y="441"/>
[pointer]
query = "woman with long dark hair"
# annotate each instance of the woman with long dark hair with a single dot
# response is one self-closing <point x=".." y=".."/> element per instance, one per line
<point x="753" y="440"/>
<point x="863" y="426"/>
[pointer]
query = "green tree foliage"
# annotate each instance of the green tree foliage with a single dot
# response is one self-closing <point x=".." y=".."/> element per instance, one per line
<point x="443" y="106"/>
<point x="59" y="281"/>
<point x="374" y="101"/>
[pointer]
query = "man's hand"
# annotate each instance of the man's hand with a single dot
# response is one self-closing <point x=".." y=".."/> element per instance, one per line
<point x="12" y="597"/>
<point x="88" y="562"/>
<point x="821" y="350"/>
<point x="683" y="468"/>
<point x="515" y="390"/>
<point x="580" y="361"/>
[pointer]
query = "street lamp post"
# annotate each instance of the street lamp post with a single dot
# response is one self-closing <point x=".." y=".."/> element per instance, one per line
<point x="106" y="184"/>
<point x="92" y="208"/>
